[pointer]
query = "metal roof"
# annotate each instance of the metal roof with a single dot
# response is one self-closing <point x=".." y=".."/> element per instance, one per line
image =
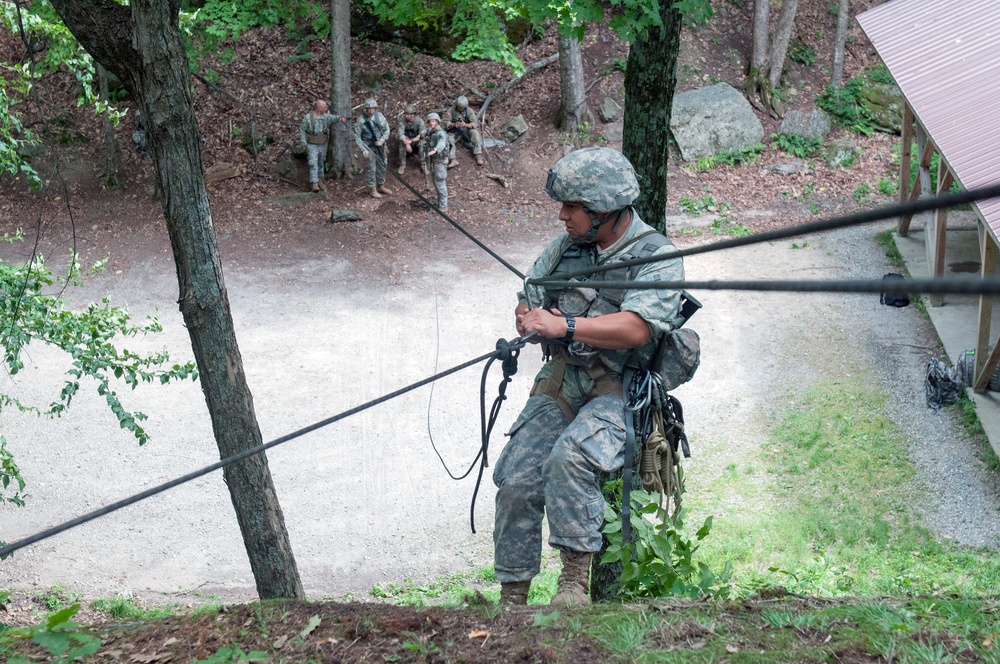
<point x="945" y="56"/>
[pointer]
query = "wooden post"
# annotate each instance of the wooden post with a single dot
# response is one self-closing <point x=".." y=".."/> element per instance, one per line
<point x="945" y="178"/>
<point x="905" y="154"/>
<point x="926" y="151"/>
<point x="985" y="366"/>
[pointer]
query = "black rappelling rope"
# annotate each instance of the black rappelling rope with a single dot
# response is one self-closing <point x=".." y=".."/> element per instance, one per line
<point x="113" y="507"/>
<point x="507" y="352"/>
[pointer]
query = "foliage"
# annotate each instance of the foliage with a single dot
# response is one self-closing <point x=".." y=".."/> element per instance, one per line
<point x="30" y="314"/>
<point x="802" y="53"/>
<point x="886" y="187"/>
<point x="845" y="107"/>
<point x="862" y="192"/>
<point x="59" y="635"/>
<point x="703" y="204"/>
<point x="880" y="74"/>
<point x="661" y="563"/>
<point x="733" y="157"/>
<point x="798" y="146"/>
<point x="887" y="241"/>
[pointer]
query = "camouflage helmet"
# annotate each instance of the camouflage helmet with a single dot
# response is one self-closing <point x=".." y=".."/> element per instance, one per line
<point x="462" y="102"/>
<point x="371" y="103"/>
<point x="410" y="109"/>
<point x="433" y="116"/>
<point x="601" y="179"/>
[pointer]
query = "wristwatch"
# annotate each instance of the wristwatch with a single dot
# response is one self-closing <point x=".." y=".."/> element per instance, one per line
<point x="570" y="329"/>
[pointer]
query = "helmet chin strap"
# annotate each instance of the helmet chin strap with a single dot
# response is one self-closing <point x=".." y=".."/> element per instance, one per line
<point x="596" y="223"/>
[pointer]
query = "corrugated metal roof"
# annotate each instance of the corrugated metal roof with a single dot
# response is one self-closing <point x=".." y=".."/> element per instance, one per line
<point x="945" y="56"/>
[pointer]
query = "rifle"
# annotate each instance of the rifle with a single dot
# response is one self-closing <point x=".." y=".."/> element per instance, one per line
<point x="378" y="149"/>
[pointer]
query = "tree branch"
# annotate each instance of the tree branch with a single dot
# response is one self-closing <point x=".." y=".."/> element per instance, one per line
<point x="545" y="62"/>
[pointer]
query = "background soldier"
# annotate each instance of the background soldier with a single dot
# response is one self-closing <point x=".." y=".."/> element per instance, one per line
<point x="437" y="155"/>
<point x="371" y="130"/>
<point x="411" y="131"/>
<point x="314" y="132"/>
<point x="463" y="126"/>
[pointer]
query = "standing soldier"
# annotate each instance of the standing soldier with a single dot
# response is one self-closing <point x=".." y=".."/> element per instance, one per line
<point x="411" y="131"/>
<point x="463" y="126"/>
<point x="437" y="155"/>
<point x="314" y="132"/>
<point x="371" y="131"/>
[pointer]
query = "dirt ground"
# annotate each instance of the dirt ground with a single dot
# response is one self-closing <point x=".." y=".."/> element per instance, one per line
<point x="331" y="315"/>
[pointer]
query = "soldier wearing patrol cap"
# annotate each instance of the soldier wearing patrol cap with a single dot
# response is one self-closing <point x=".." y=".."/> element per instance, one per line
<point x="411" y="131"/>
<point x="464" y="126"/>
<point x="371" y="131"/>
<point x="573" y="423"/>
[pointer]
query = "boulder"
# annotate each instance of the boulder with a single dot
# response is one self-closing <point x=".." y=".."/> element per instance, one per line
<point x="340" y="216"/>
<point x="840" y="152"/>
<point x="515" y="128"/>
<point x="885" y="102"/>
<point x="614" y="131"/>
<point x="609" y="110"/>
<point x="815" y="124"/>
<point x="254" y="140"/>
<point x="790" y="168"/>
<point x="714" y="119"/>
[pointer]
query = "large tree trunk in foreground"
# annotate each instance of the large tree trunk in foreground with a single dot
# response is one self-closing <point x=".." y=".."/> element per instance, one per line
<point x="573" y="111"/>
<point x="341" y="154"/>
<point x="150" y="62"/>
<point x="650" y="79"/>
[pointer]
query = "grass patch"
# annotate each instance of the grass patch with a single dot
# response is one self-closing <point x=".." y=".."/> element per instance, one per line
<point x="887" y="240"/>
<point x="127" y="608"/>
<point x="832" y="516"/>
<point x="968" y="420"/>
<point x="734" y="157"/>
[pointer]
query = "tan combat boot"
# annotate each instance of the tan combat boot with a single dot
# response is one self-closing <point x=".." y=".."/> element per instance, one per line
<point x="453" y="163"/>
<point x="385" y="190"/>
<point x="514" y="593"/>
<point x="315" y="187"/>
<point x="573" y="589"/>
<point x="373" y="192"/>
<point x="479" y="160"/>
<point x="424" y="169"/>
<point x="401" y="169"/>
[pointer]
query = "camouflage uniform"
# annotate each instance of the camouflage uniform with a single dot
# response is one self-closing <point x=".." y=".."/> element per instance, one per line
<point x="469" y="135"/>
<point x="313" y="129"/>
<point x="437" y="139"/>
<point x="411" y="130"/>
<point x="366" y="140"/>
<point x="548" y="467"/>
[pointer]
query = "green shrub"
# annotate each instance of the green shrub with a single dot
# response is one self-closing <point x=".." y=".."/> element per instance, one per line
<point x="880" y="74"/>
<point x="802" y="53"/>
<point x="796" y="145"/>
<point x="844" y="106"/>
<point x="733" y="157"/>
<point x="886" y="187"/>
<point x="862" y="192"/>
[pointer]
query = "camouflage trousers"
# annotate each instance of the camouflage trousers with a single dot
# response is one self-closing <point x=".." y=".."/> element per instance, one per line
<point x="439" y="174"/>
<point x="419" y="151"/>
<point x="471" y="137"/>
<point x="548" y="468"/>
<point x="317" y="155"/>
<point x="376" y="167"/>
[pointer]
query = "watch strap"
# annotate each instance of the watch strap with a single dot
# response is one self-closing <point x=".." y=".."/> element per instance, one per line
<point x="570" y="329"/>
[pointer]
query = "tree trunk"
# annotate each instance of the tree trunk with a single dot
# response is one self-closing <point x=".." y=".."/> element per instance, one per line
<point x="141" y="43"/>
<point x="342" y="156"/>
<point x="843" y="19"/>
<point x="573" y="111"/>
<point x="755" y="86"/>
<point x="111" y="162"/>
<point x="779" y="47"/>
<point x="650" y="79"/>
<point x="761" y="26"/>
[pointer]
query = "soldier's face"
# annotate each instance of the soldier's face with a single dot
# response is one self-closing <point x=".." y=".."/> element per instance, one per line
<point x="408" y="116"/>
<point x="575" y="218"/>
<point x="433" y="124"/>
<point x="370" y="111"/>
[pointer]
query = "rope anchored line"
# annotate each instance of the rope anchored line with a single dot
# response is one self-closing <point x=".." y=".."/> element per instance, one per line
<point x="148" y="493"/>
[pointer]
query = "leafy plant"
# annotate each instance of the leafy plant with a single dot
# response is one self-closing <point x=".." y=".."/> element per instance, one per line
<point x="802" y="53"/>
<point x="232" y="654"/>
<point x="59" y="635"/>
<point x="845" y="107"/>
<point x="886" y="187"/>
<point x="701" y="204"/>
<point x="661" y="562"/>
<point x="814" y="207"/>
<point x="880" y="74"/>
<point x="725" y="226"/>
<point x="862" y="192"/>
<point x="733" y="157"/>
<point x="797" y="146"/>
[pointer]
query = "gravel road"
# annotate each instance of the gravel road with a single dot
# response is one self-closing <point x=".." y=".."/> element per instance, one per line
<point x="366" y="499"/>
